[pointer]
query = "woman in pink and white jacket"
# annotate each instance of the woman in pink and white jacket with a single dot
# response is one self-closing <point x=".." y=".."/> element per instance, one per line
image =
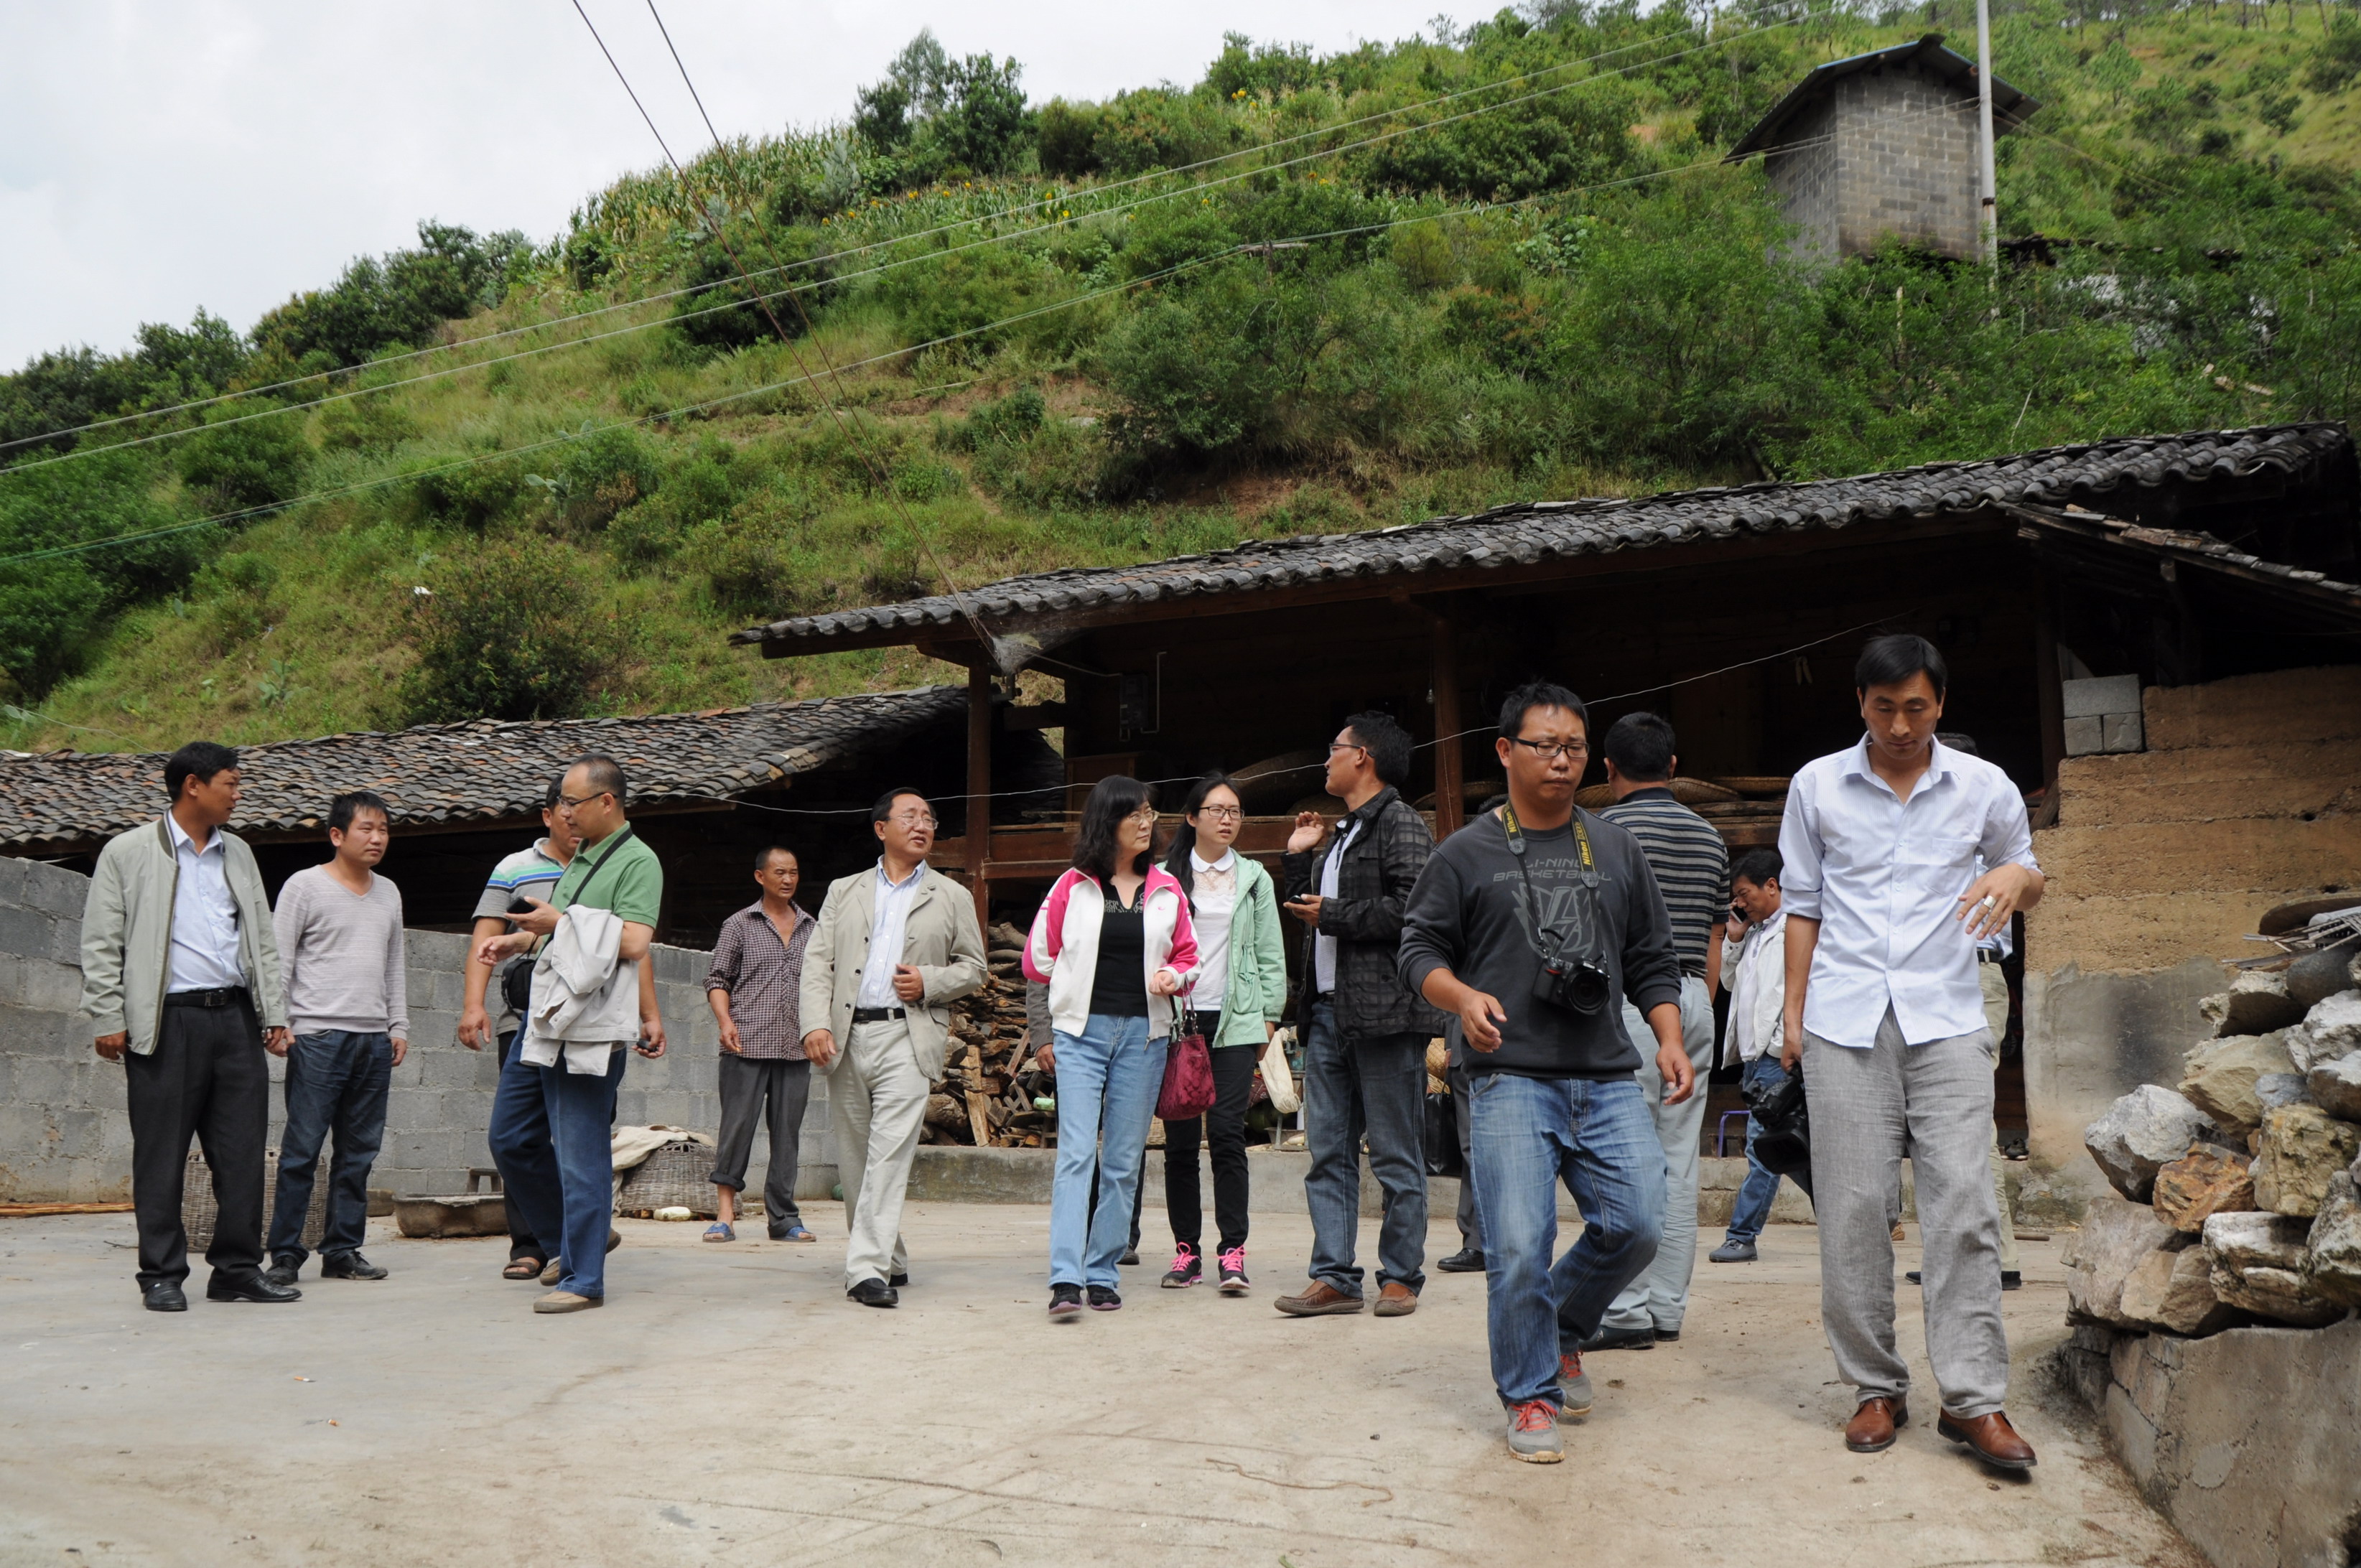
<point x="1114" y="944"/>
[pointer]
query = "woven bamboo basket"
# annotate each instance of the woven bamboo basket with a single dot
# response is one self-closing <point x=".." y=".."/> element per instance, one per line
<point x="198" y="1210"/>
<point x="674" y="1176"/>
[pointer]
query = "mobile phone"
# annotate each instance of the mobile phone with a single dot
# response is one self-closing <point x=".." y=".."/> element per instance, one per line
<point x="520" y="905"/>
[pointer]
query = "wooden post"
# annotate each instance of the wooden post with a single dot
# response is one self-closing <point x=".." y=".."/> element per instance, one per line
<point x="979" y="788"/>
<point x="2049" y="694"/>
<point x="1450" y="797"/>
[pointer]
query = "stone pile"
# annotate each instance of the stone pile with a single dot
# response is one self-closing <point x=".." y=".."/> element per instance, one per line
<point x="988" y="1089"/>
<point x="2238" y="1190"/>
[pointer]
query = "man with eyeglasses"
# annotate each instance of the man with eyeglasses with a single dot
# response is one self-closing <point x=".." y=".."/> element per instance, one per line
<point x="1529" y="924"/>
<point x="1364" y="1032"/>
<point x="894" y="947"/>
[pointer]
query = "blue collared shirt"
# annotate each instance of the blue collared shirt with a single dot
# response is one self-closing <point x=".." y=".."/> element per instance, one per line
<point x="1883" y="877"/>
<point x="205" y="917"/>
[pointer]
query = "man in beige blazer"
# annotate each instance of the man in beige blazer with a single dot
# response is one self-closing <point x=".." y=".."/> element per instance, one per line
<point x="896" y="946"/>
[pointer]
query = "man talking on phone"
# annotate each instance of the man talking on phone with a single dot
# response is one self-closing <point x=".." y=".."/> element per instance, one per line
<point x="1530" y="926"/>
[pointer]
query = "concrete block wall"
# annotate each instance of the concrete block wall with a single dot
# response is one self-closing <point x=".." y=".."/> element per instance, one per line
<point x="2160" y="863"/>
<point x="1888" y="154"/>
<point x="64" y="1136"/>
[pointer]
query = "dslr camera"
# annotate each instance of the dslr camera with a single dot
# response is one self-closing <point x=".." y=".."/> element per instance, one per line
<point x="1578" y="985"/>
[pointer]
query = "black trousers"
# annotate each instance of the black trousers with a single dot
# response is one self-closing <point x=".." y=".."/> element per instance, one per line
<point x="1225" y="1131"/>
<point x="208" y="1078"/>
<point x="774" y="1093"/>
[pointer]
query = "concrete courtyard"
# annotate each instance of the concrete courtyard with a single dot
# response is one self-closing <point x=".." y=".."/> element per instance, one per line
<point x="728" y="1405"/>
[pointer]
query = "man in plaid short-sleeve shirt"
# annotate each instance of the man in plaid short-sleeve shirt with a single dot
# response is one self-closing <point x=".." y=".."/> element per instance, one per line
<point x="753" y="985"/>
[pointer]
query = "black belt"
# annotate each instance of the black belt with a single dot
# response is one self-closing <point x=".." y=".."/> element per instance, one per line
<point x="222" y="996"/>
<point x="877" y="1015"/>
<point x="1986" y="956"/>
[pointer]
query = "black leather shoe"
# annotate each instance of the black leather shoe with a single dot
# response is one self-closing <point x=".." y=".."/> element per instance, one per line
<point x="164" y="1297"/>
<point x="1466" y="1260"/>
<point x="2011" y="1279"/>
<point x="614" y="1238"/>
<point x="1625" y="1339"/>
<point x="252" y="1286"/>
<point x="898" y="1281"/>
<point x="875" y="1293"/>
<point x="282" y="1271"/>
<point x="351" y="1266"/>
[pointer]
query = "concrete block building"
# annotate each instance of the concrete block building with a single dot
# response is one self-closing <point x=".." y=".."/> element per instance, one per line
<point x="1881" y="146"/>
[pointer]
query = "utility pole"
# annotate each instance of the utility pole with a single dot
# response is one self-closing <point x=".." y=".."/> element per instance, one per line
<point x="1988" y="180"/>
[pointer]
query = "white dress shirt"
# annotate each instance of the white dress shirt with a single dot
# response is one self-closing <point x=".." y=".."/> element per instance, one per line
<point x="1883" y="877"/>
<point x="886" y="930"/>
<point x="1215" y="893"/>
<point x="1324" y="946"/>
<point x="205" y="917"/>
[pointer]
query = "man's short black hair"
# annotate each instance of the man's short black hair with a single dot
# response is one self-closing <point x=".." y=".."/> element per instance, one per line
<point x="762" y="856"/>
<point x="605" y="774"/>
<point x="345" y="808"/>
<point x="1957" y="742"/>
<point x="1640" y="747"/>
<point x="1386" y="742"/>
<point x="884" y="806"/>
<point x="1760" y="867"/>
<point x="1538" y="694"/>
<point x="555" y="792"/>
<point x="199" y="760"/>
<point x="1890" y="661"/>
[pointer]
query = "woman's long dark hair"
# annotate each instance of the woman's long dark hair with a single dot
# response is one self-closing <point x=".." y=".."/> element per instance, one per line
<point x="1176" y="860"/>
<point x="1111" y="801"/>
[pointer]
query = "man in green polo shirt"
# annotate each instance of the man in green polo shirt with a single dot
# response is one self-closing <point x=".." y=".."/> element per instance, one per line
<point x="616" y="872"/>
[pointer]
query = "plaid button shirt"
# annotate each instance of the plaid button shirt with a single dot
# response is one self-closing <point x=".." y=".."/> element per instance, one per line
<point x="763" y="977"/>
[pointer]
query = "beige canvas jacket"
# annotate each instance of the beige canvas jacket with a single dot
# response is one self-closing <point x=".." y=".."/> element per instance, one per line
<point x="126" y="933"/>
<point x="941" y="941"/>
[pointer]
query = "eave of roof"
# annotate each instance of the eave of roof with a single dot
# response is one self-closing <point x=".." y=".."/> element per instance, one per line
<point x="2011" y="108"/>
<point x="1534" y="532"/>
<point x="478" y="773"/>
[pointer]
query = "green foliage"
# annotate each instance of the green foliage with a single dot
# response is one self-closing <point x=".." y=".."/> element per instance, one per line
<point x="785" y="283"/>
<point x="246" y="457"/>
<point x="1066" y="137"/>
<point x="2337" y="57"/>
<point x="598" y="475"/>
<point x="1156" y="127"/>
<point x="1244" y="69"/>
<point x="53" y="610"/>
<point x="941" y="118"/>
<point x="507" y="634"/>
<point x="400" y="299"/>
<point x="234" y="598"/>
<point x="60" y="390"/>
<point x="1571" y="138"/>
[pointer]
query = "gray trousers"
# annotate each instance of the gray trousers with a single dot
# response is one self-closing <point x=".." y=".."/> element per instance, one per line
<point x="774" y="1091"/>
<point x="1866" y="1106"/>
<point x="1659" y="1299"/>
<point x="877" y="1098"/>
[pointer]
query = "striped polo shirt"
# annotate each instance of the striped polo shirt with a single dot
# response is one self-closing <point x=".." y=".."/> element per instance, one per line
<point x="1691" y="863"/>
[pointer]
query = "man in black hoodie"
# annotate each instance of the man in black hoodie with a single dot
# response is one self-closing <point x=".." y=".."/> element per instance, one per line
<point x="1528" y="925"/>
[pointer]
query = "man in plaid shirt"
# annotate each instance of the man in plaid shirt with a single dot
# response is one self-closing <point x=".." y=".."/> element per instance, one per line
<point x="753" y="985"/>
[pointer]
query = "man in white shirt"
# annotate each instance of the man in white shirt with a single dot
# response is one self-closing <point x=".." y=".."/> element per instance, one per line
<point x="1880" y="847"/>
<point x="1754" y="968"/>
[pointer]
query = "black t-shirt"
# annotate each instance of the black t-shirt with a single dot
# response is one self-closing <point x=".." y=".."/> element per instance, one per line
<point x="1119" y="984"/>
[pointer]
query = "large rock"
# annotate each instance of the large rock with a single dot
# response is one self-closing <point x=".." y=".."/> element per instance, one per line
<point x="2332" y="1250"/>
<point x="2219" y="1077"/>
<point x="2337" y="1086"/>
<point x="2204" y="1182"/>
<point x="2302" y="1147"/>
<point x="2316" y="976"/>
<point x="2255" y="1004"/>
<point x="2334" y="1026"/>
<point x="2273" y="1090"/>
<point x="2174" y="1290"/>
<point x="2258" y="1265"/>
<point x="2139" y="1133"/>
<point x="2115" y="1238"/>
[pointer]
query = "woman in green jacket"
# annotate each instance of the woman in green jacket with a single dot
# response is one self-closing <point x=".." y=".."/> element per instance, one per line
<point x="1240" y="991"/>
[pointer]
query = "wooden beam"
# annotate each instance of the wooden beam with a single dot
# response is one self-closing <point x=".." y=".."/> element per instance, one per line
<point x="2050" y="696"/>
<point x="1450" y="799"/>
<point x="977" y="831"/>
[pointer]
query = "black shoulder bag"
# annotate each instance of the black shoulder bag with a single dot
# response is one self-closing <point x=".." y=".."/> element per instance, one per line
<point x="516" y="981"/>
<point x="1577" y="984"/>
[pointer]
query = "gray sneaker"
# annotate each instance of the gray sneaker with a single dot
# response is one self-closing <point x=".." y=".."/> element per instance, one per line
<point x="1732" y="1252"/>
<point x="1532" y="1433"/>
<point x="1573" y="1386"/>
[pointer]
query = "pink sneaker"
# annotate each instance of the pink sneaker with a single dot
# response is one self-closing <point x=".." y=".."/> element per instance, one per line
<point x="1188" y="1268"/>
<point x="1234" y="1271"/>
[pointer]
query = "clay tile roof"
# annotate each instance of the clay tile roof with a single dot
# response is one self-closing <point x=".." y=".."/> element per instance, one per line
<point x="1528" y="532"/>
<point x="481" y="771"/>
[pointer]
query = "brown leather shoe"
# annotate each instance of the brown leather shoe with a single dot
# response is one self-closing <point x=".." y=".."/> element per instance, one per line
<point x="1989" y="1437"/>
<point x="1319" y="1299"/>
<point x="1872" y="1427"/>
<point x="1397" y="1301"/>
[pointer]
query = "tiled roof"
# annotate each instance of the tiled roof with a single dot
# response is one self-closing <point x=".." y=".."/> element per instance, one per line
<point x="1532" y="532"/>
<point x="2011" y="108"/>
<point x="486" y="771"/>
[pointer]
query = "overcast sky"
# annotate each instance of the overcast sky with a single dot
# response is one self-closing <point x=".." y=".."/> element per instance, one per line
<point x="158" y="157"/>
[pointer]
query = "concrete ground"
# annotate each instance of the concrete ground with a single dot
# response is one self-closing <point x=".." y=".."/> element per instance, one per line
<point x="728" y="1405"/>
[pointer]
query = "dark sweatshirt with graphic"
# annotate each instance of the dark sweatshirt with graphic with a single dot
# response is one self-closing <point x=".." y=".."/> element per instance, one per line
<point x="1469" y="913"/>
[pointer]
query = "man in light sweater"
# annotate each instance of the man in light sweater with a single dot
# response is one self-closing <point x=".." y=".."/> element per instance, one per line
<point x="339" y="930"/>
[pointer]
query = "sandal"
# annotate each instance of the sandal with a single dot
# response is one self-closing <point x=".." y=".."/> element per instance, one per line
<point x="719" y="1231"/>
<point x="523" y="1268"/>
<point x="797" y="1234"/>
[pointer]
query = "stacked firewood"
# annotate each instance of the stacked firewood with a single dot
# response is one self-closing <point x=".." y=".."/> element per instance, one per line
<point x="989" y="1091"/>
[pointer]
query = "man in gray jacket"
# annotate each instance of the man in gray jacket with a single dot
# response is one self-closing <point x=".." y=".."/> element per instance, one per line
<point x="180" y="972"/>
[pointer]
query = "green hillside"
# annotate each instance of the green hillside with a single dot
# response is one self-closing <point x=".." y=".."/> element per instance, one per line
<point x="989" y="336"/>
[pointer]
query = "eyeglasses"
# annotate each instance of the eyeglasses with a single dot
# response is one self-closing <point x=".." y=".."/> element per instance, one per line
<point x="1144" y="814"/>
<point x="1550" y="750"/>
<point x="1221" y="813"/>
<point x="570" y="801"/>
<point x="914" y="824"/>
<point x="1336" y="746"/>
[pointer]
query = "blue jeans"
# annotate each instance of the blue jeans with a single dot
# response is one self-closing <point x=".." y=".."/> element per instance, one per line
<point x="336" y="1082"/>
<point x="552" y="1138"/>
<point x="1108" y="1078"/>
<point x="1530" y="1134"/>
<point x="1753" y="1209"/>
<point x="1372" y="1086"/>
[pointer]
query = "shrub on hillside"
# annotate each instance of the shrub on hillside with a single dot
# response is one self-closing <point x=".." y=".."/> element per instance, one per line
<point x="247" y="459"/>
<point x="62" y="390"/>
<point x="1066" y="135"/>
<point x="52" y="610"/>
<point x="234" y="593"/>
<point x="399" y="299"/>
<point x="507" y="634"/>
<point x="786" y="281"/>
<point x="1576" y="138"/>
<point x="1156" y="127"/>
<point x="1192" y="370"/>
<point x="598" y="476"/>
<point x="470" y="495"/>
